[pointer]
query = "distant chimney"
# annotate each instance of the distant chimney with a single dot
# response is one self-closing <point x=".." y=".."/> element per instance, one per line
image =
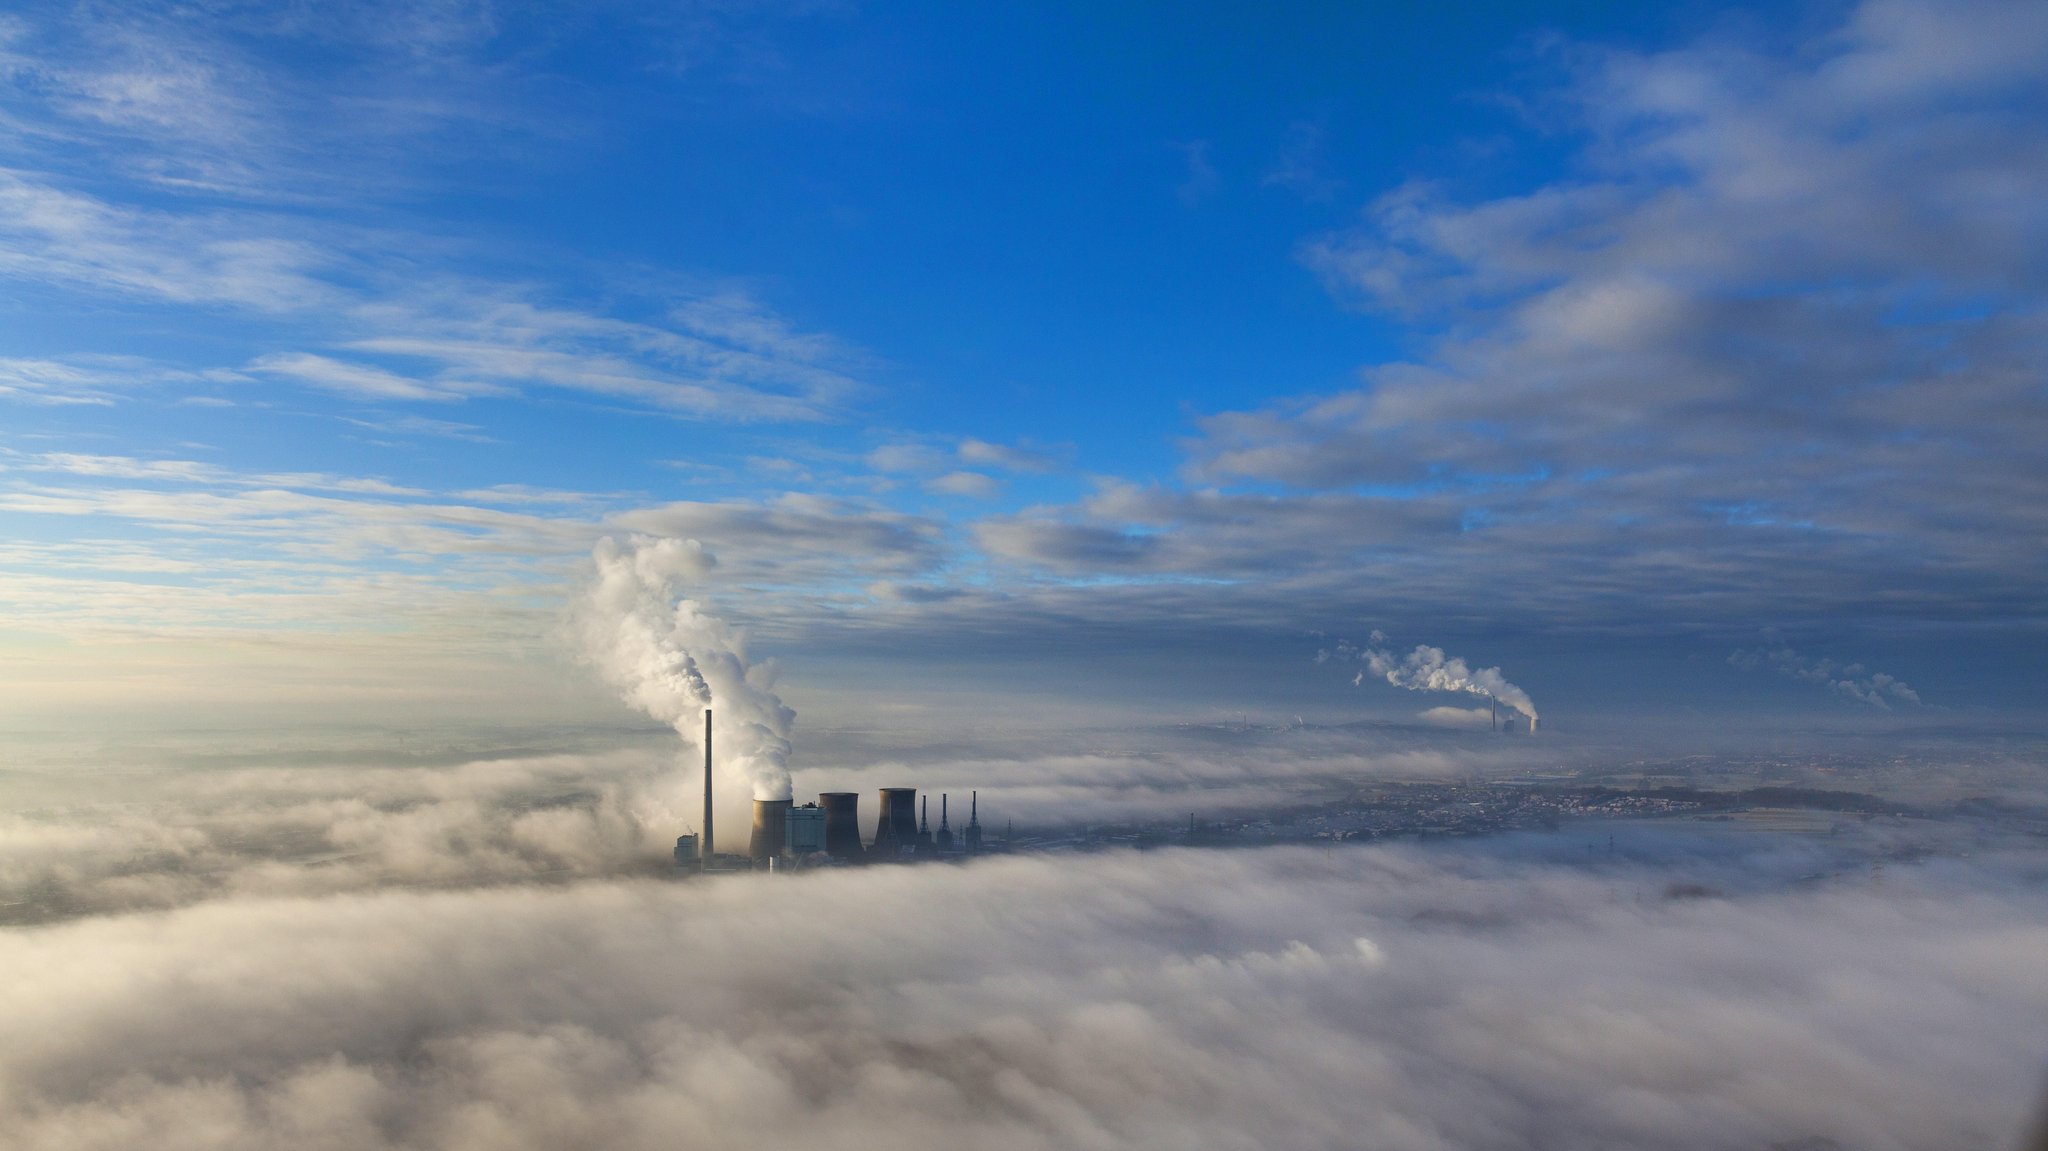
<point x="771" y="830"/>
<point x="944" y="838"/>
<point x="704" y="845"/>
<point x="896" y="828"/>
<point x="973" y="836"/>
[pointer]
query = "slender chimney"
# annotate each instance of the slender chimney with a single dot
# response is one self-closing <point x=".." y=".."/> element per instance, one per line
<point x="973" y="822"/>
<point x="944" y="839"/>
<point x="704" y="848"/>
<point x="924" y="826"/>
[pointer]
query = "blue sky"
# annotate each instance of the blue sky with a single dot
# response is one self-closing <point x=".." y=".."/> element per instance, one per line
<point x="1018" y="348"/>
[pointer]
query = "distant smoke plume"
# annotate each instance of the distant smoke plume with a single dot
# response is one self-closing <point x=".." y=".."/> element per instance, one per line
<point x="1429" y="669"/>
<point x="1850" y="679"/>
<point x="671" y="659"/>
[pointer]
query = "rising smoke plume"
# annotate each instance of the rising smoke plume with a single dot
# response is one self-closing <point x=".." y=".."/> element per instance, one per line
<point x="671" y="659"/>
<point x="1429" y="669"/>
<point x="1850" y="679"/>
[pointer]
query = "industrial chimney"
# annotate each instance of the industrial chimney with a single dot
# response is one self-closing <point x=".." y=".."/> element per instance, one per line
<point x="771" y="830"/>
<point x="842" y="824"/>
<point x="943" y="840"/>
<point x="973" y="836"/>
<point x="704" y="845"/>
<point x="897" y="827"/>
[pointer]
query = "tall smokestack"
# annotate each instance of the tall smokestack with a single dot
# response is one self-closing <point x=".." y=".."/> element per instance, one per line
<point x="771" y="830"/>
<point x="944" y="839"/>
<point x="704" y="848"/>
<point x="842" y="824"/>
<point x="897" y="826"/>
<point x="973" y="822"/>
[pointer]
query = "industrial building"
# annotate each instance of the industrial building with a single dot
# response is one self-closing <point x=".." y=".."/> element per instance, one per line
<point x="826" y="833"/>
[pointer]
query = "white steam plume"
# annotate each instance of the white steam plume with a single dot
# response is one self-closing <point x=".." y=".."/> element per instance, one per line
<point x="1851" y="679"/>
<point x="1429" y="669"/>
<point x="671" y="659"/>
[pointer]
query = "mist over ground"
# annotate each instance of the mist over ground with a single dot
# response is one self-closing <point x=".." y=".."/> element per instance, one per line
<point x="1346" y="997"/>
<point x="1183" y="433"/>
<point x="322" y="945"/>
<point x="113" y="825"/>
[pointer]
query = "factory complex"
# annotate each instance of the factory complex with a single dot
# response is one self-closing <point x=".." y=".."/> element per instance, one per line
<point x="827" y="833"/>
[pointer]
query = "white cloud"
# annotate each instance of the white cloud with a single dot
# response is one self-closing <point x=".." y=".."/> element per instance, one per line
<point x="1466" y="717"/>
<point x="1009" y="457"/>
<point x="973" y="485"/>
<point x="359" y="380"/>
<point x="1274" y="999"/>
<point x="1771" y="346"/>
<point x="1853" y="680"/>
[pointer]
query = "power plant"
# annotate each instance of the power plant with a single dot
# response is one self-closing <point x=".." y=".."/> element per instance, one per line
<point x="827" y="833"/>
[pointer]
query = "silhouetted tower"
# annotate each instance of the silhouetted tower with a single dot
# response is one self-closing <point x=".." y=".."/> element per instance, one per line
<point x="842" y="824"/>
<point x="973" y="822"/>
<point x="944" y="838"/>
<point x="897" y="826"/>
<point x="704" y="845"/>
<point x="924" y="824"/>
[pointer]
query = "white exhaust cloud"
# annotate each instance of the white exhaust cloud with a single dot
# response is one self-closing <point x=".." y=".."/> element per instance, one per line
<point x="672" y="659"/>
<point x="1429" y="669"/>
<point x="1853" y="680"/>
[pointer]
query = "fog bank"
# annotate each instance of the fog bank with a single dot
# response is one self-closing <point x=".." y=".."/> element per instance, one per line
<point x="1393" y="998"/>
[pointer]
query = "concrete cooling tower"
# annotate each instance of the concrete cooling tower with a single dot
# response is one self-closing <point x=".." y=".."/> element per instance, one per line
<point x="771" y="830"/>
<point x="897" y="828"/>
<point x="842" y="824"/>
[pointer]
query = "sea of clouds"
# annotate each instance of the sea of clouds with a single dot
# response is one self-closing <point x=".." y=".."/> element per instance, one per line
<point x="483" y="950"/>
<point x="1393" y="997"/>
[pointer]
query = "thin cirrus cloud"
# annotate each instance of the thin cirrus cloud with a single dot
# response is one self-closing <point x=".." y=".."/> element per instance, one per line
<point x="715" y="354"/>
<point x="357" y="380"/>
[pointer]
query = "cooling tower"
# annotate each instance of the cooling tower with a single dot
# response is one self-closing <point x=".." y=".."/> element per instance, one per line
<point x="842" y="823"/>
<point x="771" y="828"/>
<point x="897" y="827"/>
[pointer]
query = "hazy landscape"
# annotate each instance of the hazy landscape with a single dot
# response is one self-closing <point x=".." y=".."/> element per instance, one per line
<point x="1444" y="578"/>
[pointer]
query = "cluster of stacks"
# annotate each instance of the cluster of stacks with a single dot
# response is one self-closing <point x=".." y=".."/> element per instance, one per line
<point x="830" y="828"/>
<point x="828" y="831"/>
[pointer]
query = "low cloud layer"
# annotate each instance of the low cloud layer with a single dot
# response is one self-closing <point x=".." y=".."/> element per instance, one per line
<point x="1270" y="999"/>
<point x="376" y="820"/>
